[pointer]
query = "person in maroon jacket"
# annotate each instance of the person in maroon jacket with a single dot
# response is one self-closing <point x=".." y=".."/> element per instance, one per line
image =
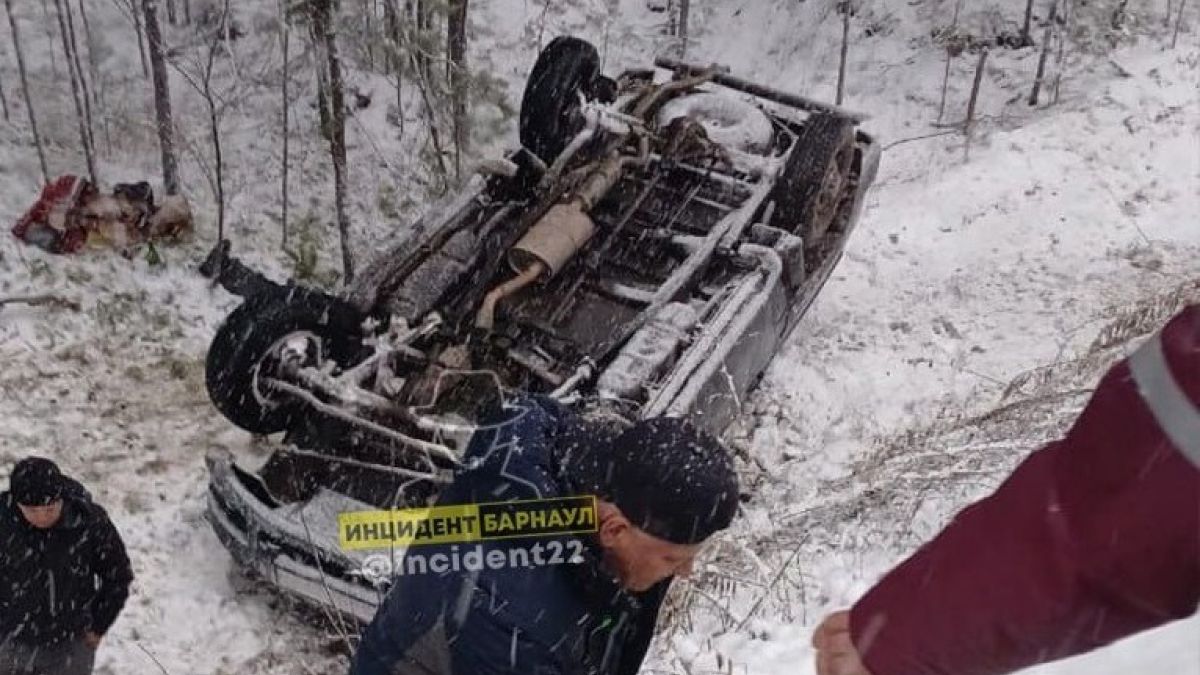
<point x="1092" y="538"/>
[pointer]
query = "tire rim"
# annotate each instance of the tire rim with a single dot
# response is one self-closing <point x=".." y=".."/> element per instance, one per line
<point x="298" y="349"/>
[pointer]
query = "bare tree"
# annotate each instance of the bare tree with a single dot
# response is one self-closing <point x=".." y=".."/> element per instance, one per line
<point x="37" y="138"/>
<point x="1118" y="14"/>
<point x="456" y="44"/>
<point x="136" y="13"/>
<point x="93" y="64"/>
<point x="1027" y="27"/>
<point x="681" y="30"/>
<point x="85" y="138"/>
<point x="162" y="98"/>
<point x="86" y="82"/>
<point x="368" y="29"/>
<point x="391" y="18"/>
<point x="202" y="83"/>
<point x="285" y="37"/>
<point x="322" y="17"/>
<point x="954" y="47"/>
<point x="95" y="82"/>
<point x="171" y="12"/>
<point x="969" y="127"/>
<point x="844" y="7"/>
<point x="1060" y="59"/>
<point x="1178" y="21"/>
<point x="4" y="98"/>
<point x="435" y="135"/>
<point x="47" y="25"/>
<point x="1041" y="67"/>
<point x="423" y="18"/>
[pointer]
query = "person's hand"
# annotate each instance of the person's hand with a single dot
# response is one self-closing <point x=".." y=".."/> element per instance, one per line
<point x="836" y="653"/>
<point x="91" y="639"/>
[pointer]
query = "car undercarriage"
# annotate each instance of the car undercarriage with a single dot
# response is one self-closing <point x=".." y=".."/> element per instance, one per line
<point x="645" y="252"/>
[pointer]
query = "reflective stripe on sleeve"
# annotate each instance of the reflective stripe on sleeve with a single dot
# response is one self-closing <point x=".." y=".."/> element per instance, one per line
<point x="1176" y="414"/>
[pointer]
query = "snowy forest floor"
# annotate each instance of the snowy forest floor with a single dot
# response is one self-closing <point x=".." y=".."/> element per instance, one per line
<point x="961" y="329"/>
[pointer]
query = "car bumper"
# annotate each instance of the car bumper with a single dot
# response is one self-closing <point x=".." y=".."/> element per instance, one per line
<point x="262" y="541"/>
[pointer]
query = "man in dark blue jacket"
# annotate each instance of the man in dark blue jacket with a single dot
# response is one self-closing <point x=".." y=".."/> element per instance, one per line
<point x="662" y="487"/>
<point x="64" y="573"/>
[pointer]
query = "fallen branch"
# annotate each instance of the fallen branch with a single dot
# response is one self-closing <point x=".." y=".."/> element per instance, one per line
<point x="44" y="299"/>
<point x="921" y="138"/>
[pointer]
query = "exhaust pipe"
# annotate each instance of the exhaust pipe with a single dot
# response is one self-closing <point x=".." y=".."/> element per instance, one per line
<point x="486" y="318"/>
<point x="555" y="238"/>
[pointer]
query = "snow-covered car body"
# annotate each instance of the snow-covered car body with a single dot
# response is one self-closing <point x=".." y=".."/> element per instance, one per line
<point x="649" y="258"/>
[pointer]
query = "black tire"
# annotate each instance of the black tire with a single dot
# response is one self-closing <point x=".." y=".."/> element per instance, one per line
<point x="548" y="121"/>
<point x="249" y="332"/>
<point x="818" y="166"/>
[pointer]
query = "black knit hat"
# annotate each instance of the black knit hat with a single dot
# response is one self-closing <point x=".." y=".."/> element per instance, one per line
<point x="36" y="481"/>
<point x="669" y="479"/>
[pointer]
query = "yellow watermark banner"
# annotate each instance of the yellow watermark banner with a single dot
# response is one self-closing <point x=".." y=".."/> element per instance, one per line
<point x="464" y="523"/>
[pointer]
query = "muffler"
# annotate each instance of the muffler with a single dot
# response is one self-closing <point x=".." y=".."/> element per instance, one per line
<point x="554" y="240"/>
<point x="566" y="228"/>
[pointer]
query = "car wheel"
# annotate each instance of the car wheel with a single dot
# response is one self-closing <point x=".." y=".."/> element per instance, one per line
<point x="814" y="180"/>
<point x="548" y="121"/>
<point x="264" y="335"/>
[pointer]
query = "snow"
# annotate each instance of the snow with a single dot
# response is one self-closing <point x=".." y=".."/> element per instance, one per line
<point x="864" y="439"/>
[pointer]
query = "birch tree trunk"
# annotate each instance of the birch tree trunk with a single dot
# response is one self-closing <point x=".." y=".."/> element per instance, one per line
<point x="323" y="18"/>
<point x="841" y="81"/>
<point x="969" y="127"/>
<point x="37" y="138"/>
<point x="137" y="27"/>
<point x="456" y="44"/>
<point x="85" y="139"/>
<point x="1041" y="67"/>
<point x="1064" y="34"/>
<point x="93" y="65"/>
<point x="368" y="14"/>
<point x="423" y="21"/>
<point x="86" y="82"/>
<point x="285" y="38"/>
<point x="4" y="98"/>
<point x="391" y="17"/>
<point x="1178" y="21"/>
<point x="162" y="98"/>
<point x="682" y="29"/>
<point x="215" y="130"/>
<point x="1027" y="27"/>
<point x="47" y="26"/>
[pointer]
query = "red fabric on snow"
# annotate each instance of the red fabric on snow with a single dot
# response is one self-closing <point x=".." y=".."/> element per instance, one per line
<point x="1094" y="537"/>
<point x="62" y="189"/>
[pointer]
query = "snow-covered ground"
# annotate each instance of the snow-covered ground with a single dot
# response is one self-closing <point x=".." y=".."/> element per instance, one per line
<point x="887" y="412"/>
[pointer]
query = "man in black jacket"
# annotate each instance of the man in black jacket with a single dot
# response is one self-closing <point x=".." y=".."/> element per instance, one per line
<point x="64" y="574"/>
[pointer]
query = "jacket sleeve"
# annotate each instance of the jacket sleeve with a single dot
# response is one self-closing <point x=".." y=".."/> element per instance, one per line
<point x="1091" y="539"/>
<point x="406" y="627"/>
<point x="110" y="564"/>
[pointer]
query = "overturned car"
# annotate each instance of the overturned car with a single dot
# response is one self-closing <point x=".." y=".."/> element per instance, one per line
<point x="645" y="252"/>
